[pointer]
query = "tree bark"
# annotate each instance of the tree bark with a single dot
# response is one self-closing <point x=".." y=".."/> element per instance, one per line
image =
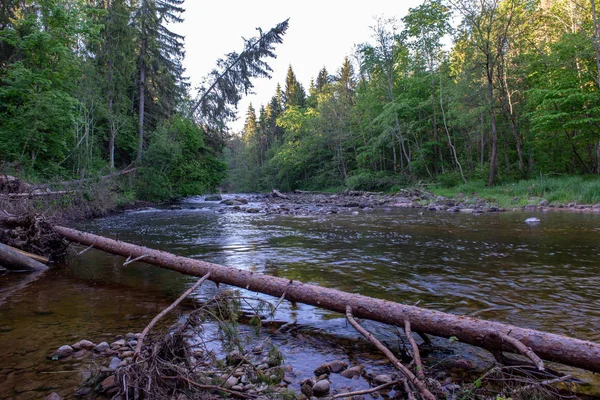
<point x="15" y="261"/>
<point x="477" y="332"/>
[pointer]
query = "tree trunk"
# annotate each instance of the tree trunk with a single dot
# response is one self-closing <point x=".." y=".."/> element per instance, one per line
<point x="494" y="156"/>
<point x="575" y="352"/>
<point x="13" y="260"/>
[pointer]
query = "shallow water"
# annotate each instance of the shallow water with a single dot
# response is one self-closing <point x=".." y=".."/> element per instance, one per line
<point x="543" y="276"/>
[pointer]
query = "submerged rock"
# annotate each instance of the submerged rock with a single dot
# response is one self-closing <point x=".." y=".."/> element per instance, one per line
<point x="532" y="220"/>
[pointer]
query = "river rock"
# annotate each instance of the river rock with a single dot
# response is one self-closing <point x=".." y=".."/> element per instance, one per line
<point x="252" y="210"/>
<point x="382" y="379"/>
<point x="63" y="351"/>
<point x="213" y="197"/>
<point x="321" y="388"/>
<point x="101" y="347"/>
<point x="237" y="388"/>
<point x="532" y="220"/>
<point x="352" y="372"/>
<point x="322" y="369"/>
<point x="241" y="200"/>
<point x="108" y="383"/>
<point x="83" y="345"/>
<point x="231" y="382"/>
<point x="84" y="391"/>
<point x="234" y="358"/>
<point x="306" y="387"/>
<point x="117" y="344"/>
<point x="467" y="210"/>
<point x="114" y="363"/>
<point x="53" y="396"/>
<point x="337" y="366"/>
<point x="126" y="354"/>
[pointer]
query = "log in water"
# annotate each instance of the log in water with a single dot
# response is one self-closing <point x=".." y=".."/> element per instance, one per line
<point x="552" y="347"/>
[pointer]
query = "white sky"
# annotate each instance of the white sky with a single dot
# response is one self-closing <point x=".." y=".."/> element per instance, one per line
<point x="321" y="34"/>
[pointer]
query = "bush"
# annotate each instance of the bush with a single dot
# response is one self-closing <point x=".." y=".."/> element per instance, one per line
<point x="375" y="181"/>
<point x="449" y="179"/>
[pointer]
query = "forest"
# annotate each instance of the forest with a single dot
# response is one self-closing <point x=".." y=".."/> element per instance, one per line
<point x="454" y="91"/>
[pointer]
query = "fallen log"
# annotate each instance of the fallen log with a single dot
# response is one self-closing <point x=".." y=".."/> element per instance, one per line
<point x="15" y="261"/>
<point x="552" y="347"/>
<point x="42" y="259"/>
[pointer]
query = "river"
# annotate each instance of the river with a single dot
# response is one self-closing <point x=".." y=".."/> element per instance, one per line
<point x="543" y="276"/>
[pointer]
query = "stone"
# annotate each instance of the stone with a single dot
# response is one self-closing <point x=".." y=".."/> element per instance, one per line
<point x="53" y="396"/>
<point x="127" y="354"/>
<point x="101" y="347"/>
<point x="241" y="200"/>
<point x="108" y="383"/>
<point x="306" y="390"/>
<point x="84" y="345"/>
<point x="234" y="358"/>
<point x="231" y="381"/>
<point x="213" y="197"/>
<point x="130" y="335"/>
<point x="382" y="379"/>
<point x="352" y="372"/>
<point x="62" y="352"/>
<point x="532" y="220"/>
<point x="114" y="363"/>
<point x="337" y="366"/>
<point x="466" y="210"/>
<point x="321" y="388"/>
<point x="117" y="343"/>
<point x="252" y="210"/>
<point x="84" y="391"/>
<point x="263" y="366"/>
<point x="322" y="369"/>
<point x="543" y="203"/>
<point x="237" y="388"/>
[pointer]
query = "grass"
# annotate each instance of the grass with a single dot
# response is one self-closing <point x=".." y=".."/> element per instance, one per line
<point x="557" y="190"/>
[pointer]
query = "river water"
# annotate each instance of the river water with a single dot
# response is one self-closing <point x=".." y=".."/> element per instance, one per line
<point x="543" y="276"/>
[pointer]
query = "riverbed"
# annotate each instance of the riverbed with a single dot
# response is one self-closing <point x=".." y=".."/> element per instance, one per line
<point x="543" y="276"/>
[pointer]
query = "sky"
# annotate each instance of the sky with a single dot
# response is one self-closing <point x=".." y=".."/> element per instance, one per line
<point x="321" y="34"/>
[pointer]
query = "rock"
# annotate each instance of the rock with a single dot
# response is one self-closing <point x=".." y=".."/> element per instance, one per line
<point x="234" y="358"/>
<point x="263" y="366"/>
<point x="322" y="369"/>
<point x="117" y="343"/>
<point x="241" y="200"/>
<point x="252" y="210"/>
<point x="79" y="354"/>
<point x="62" y="352"/>
<point x="596" y="206"/>
<point x="237" y="388"/>
<point x="353" y="372"/>
<point x="114" y="363"/>
<point x="466" y="210"/>
<point x="213" y="197"/>
<point x="231" y="381"/>
<point x="337" y="366"/>
<point x="108" y="383"/>
<point x="130" y="335"/>
<point x="543" y="203"/>
<point x="101" y="347"/>
<point x="84" y="391"/>
<point x="53" y="396"/>
<point x="321" y="388"/>
<point x="382" y="379"/>
<point x="532" y="220"/>
<point x="126" y="354"/>
<point x="84" y="345"/>
<point x="306" y="389"/>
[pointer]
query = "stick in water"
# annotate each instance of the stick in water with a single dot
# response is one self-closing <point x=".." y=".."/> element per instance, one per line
<point x="164" y="312"/>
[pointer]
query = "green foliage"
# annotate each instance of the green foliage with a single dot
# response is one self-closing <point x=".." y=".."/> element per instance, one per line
<point x="375" y="181"/>
<point x="177" y="163"/>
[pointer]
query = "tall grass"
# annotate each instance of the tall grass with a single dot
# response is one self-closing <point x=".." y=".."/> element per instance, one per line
<point x="557" y="190"/>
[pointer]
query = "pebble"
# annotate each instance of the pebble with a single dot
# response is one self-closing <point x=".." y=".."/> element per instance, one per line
<point x="231" y="381"/>
<point x="237" y="388"/>
<point x="126" y="354"/>
<point x="101" y="347"/>
<point x="114" y="363"/>
<point x="53" y="396"/>
<point x="84" y="344"/>
<point x="63" y="351"/>
<point x="263" y="366"/>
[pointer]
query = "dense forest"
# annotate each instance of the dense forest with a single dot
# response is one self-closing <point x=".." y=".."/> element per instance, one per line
<point x="515" y="95"/>
<point x="457" y="90"/>
<point x="92" y="86"/>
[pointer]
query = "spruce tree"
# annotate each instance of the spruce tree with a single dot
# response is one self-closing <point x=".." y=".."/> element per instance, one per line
<point x="294" y="92"/>
<point x="160" y="56"/>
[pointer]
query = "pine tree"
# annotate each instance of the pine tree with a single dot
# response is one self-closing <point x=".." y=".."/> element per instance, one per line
<point x="322" y="79"/>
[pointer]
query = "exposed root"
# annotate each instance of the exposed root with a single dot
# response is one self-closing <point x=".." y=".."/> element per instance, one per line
<point x="32" y="233"/>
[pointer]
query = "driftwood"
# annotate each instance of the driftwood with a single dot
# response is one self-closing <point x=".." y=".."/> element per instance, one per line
<point x="34" y="194"/>
<point x="15" y="261"/>
<point x="477" y="332"/>
<point x="42" y="259"/>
